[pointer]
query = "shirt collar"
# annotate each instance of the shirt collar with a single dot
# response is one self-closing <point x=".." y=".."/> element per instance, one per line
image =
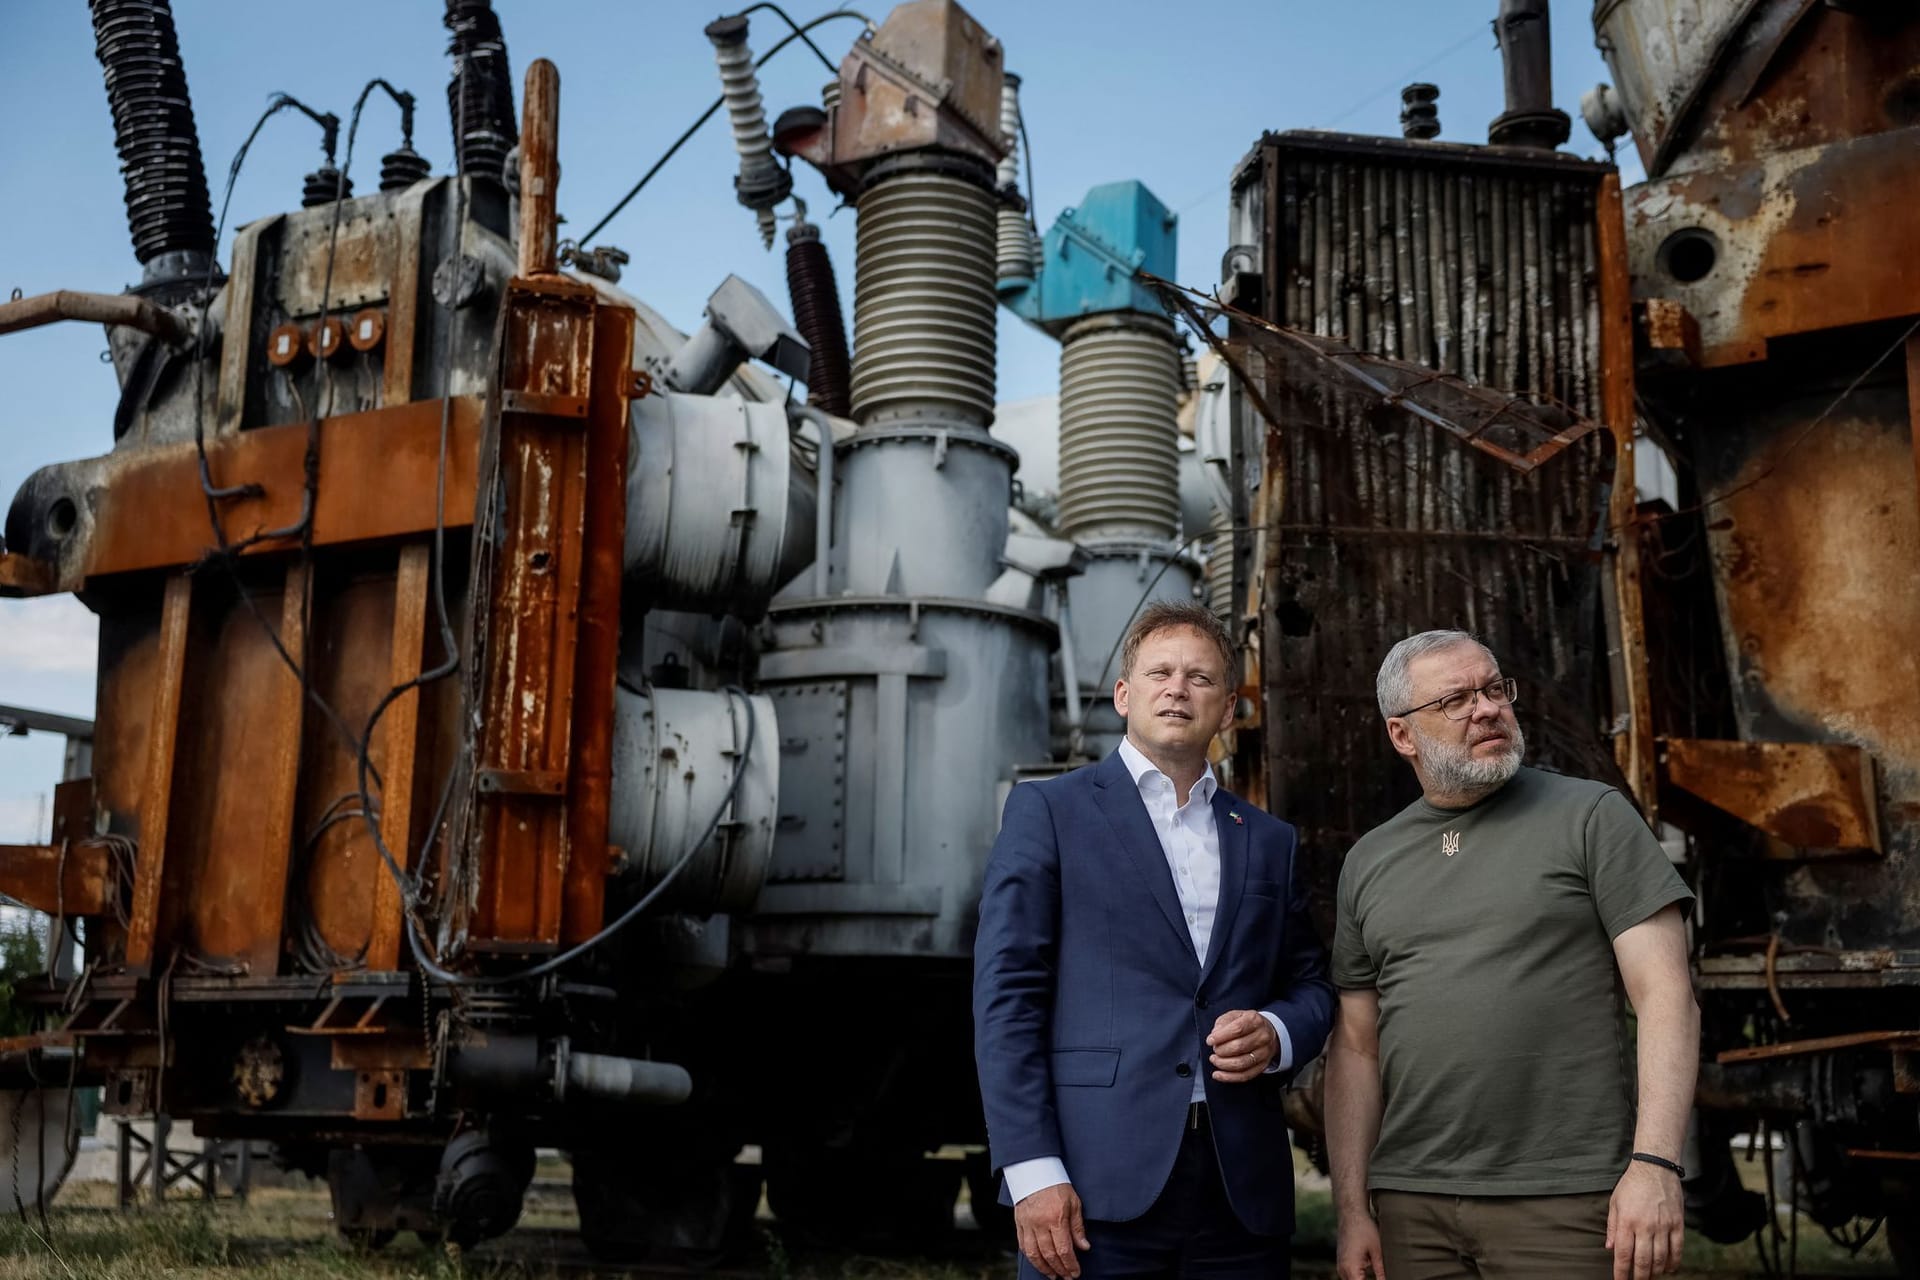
<point x="1142" y="768"/>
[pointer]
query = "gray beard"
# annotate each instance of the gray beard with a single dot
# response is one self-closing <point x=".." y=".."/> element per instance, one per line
<point x="1453" y="769"/>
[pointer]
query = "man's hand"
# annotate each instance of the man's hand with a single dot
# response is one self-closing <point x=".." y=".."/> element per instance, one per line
<point x="1359" y="1249"/>
<point x="1243" y="1044"/>
<point x="1645" y="1228"/>
<point x="1050" y="1228"/>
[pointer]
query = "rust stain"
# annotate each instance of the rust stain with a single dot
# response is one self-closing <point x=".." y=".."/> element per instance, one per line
<point x="1820" y="564"/>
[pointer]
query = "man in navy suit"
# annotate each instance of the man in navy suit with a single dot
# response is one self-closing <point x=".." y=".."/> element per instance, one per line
<point x="1145" y="981"/>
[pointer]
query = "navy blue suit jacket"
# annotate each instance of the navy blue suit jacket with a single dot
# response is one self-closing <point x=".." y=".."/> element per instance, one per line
<point x="1091" y="1009"/>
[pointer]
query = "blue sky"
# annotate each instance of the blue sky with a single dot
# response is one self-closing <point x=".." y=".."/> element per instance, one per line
<point x="1171" y="94"/>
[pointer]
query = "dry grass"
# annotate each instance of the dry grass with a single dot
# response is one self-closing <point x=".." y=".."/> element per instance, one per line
<point x="287" y="1235"/>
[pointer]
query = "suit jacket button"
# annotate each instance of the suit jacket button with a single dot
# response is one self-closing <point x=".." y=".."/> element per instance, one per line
<point x="1183" y="1071"/>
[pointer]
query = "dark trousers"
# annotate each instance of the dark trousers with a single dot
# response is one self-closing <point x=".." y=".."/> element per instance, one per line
<point x="1435" y="1237"/>
<point x="1191" y="1232"/>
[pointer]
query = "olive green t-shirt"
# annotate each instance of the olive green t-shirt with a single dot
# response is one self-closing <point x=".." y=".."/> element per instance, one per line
<point x="1488" y="933"/>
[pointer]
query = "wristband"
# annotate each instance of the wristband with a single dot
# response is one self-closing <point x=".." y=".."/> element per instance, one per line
<point x="1662" y="1162"/>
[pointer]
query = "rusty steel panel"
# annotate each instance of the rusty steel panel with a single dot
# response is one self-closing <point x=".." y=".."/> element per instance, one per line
<point x="399" y="741"/>
<point x="1813" y="796"/>
<point x="65" y="879"/>
<point x="539" y="168"/>
<point x="590" y="785"/>
<point x="1473" y="262"/>
<point x="1789" y="243"/>
<point x="534" y="491"/>
<point x="21" y="576"/>
<point x="378" y="479"/>
<point x="156" y="791"/>
<point x="364" y="253"/>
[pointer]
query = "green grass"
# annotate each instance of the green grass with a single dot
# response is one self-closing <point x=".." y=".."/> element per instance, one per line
<point x="286" y="1235"/>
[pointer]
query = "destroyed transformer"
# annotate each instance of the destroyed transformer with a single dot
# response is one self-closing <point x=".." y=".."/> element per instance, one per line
<point x="1738" y="653"/>
<point x="520" y="724"/>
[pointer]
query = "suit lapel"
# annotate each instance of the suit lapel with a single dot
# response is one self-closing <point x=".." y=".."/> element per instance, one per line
<point x="1119" y="800"/>
<point x="1233" y="874"/>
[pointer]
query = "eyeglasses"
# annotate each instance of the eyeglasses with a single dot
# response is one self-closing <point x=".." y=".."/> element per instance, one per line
<point x="1459" y="704"/>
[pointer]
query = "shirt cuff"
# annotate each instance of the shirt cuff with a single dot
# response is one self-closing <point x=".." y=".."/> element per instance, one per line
<point x="1024" y="1177"/>
<point x="1284" y="1059"/>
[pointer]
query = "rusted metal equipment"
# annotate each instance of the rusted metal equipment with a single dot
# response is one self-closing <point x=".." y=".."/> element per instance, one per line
<point x="1393" y="501"/>
<point x="1777" y="300"/>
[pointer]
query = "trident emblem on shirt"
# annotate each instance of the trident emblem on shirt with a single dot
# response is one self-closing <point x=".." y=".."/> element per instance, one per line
<point x="1450" y="842"/>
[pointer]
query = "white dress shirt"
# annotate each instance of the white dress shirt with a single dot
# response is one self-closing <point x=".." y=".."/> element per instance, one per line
<point x="1190" y="839"/>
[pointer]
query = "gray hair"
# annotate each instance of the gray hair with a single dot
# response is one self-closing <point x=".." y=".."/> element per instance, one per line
<point x="1394" y="685"/>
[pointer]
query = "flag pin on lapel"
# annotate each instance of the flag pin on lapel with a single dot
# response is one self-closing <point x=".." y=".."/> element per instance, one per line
<point x="1235" y="815"/>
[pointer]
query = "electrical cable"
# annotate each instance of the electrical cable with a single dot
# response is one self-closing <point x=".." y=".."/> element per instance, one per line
<point x="626" y="917"/>
<point x="707" y="115"/>
<point x="798" y="30"/>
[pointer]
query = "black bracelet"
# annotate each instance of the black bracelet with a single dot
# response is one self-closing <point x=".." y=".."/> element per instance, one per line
<point x="1663" y="1163"/>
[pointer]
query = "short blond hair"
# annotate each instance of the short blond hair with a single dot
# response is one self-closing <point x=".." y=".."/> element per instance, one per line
<point x="1165" y="615"/>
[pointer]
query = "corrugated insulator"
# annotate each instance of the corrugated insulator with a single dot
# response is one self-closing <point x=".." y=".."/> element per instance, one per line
<point x="1016" y="256"/>
<point x="816" y="314"/>
<point x="923" y="298"/>
<point x="168" y="208"/>
<point x="320" y="186"/>
<point x="761" y="183"/>
<point x="480" y="95"/>
<point x="1119" y="440"/>
<point x="1220" y="566"/>
<point x="400" y="169"/>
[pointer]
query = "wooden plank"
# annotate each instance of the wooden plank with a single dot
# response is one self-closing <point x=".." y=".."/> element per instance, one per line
<point x="399" y="743"/>
<point x="286" y="711"/>
<point x="378" y="477"/>
<point x="157" y="794"/>
<point x="1634" y="748"/>
<point x="1913" y="403"/>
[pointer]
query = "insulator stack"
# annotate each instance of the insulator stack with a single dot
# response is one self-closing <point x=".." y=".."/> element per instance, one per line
<point x="761" y="183"/>
<point x="322" y="185"/>
<point x="923" y="299"/>
<point x="1015" y="249"/>
<point x="1220" y="566"/>
<point x="816" y="314"/>
<point x="480" y="95"/>
<point x="1420" y="112"/>
<point x="402" y="168"/>
<point x="168" y="209"/>
<point x="1119" y="443"/>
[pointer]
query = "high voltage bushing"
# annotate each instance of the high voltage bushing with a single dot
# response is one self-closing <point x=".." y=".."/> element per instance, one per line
<point x="480" y="95"/>
<point x="402" y="167"/>
<point x="1014" y="248"/>
<point x="923" y="297"/>
<point x="1119" y="445"/>
<point x="816" y="314"/>
<point x="1420" y="111"/>
<point x="322" y="185"/>
<point x="168" y="207"/>
<point x="762" y="182"/>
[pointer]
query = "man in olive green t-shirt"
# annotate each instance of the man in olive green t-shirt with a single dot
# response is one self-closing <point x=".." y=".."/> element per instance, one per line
<point x="1479" y="1083"/>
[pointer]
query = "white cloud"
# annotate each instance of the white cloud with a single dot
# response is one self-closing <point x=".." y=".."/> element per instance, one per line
<point x="51" y="635"/>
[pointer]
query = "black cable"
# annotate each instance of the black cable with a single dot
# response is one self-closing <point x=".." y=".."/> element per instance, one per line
<point x="798" y="30"/>
<point x="708" y="114"/>
<point x="626" y="917"/>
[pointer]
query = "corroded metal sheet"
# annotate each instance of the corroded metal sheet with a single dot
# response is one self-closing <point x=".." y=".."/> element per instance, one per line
<point x="1811" y="795"/>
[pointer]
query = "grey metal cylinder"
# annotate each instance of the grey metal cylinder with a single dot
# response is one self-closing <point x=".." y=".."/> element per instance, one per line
<point x="718" y="516"/>
<point x="675" y="753"/>
<point x="920" y="512"/>
<point x="923" y="298"/>
<point x="602" y="1075"/>
<point x="1120" y="579"/>
<point x="1119" y="442"/>
<point x="901" y="721"/>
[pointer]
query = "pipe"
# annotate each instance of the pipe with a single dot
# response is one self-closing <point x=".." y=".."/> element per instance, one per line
<point x="540" y="170"/>
<point x="169" y="211"/>
<point x="1526" y="57"/>
<point x="823" y="502"/>
<point x="603" y="1076"/>
<point x="121" y="309"/>
<point x="480" y="95"/>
